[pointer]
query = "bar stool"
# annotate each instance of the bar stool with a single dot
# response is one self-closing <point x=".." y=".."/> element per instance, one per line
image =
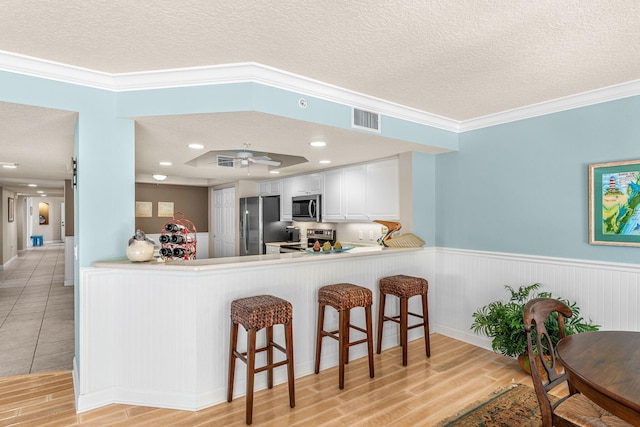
<point x="255" y="313"/>
<point x="404" y="287"/>
<point x="343" y="297"/>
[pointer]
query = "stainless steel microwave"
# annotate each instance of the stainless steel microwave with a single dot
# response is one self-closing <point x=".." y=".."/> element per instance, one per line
<point x="306" y="208"/>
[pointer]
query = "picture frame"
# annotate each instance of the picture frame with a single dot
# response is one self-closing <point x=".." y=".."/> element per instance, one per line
<point x="143" y="209"/>
<point x="11" y="211"/>
<point x="165" y="209"/>
<point x="614" y="203"/>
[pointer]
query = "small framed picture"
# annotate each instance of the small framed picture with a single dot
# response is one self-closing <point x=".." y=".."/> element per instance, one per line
<point x="165" y="209"/>
<point x="12" y="210"/>
<point x="614" y="203"/>
<point x="143" y="209"/>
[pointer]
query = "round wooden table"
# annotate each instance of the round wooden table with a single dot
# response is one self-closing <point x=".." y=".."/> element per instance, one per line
<point x="605" y="367"/>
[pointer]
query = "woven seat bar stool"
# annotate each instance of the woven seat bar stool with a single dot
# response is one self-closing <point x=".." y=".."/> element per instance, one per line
<point x="343" y="297"/>
<point x="255" y="313"/>
<point x="404" y="287"/>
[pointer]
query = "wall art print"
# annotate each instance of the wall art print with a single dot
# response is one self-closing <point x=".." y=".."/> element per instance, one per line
<point x="614" y="203"/>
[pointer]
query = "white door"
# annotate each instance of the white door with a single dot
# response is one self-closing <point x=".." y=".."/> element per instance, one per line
<point x="224" y="240"/>
<point x="62" y="231"/>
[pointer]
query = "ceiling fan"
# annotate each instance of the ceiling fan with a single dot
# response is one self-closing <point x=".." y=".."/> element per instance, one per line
<point x="245" y="157"/>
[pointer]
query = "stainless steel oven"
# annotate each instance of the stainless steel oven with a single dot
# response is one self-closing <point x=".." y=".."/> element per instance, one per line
<point x="313" y="234"/>
<point x="306" y="208"/>
<point x="321" y="236"/>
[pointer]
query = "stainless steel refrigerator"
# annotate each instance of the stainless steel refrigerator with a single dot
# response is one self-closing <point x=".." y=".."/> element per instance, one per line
<point x="260" y="223"/>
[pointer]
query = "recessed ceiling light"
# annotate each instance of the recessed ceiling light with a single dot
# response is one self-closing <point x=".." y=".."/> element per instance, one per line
<point x="196" y="146"/>
<point x="317" y="144"/>
<point x="9" y="166"/>
<point x="159" y="177"/>
<point x="32" y="185"/>
<point x="39" y="191"/>
<point x="43" y="195"/>
<point x="325" y="161"/>
<point x="274" y="172"/>
<point x="165" y="163"/>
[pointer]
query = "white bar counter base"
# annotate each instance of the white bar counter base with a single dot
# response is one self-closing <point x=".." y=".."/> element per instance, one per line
<point x="157" y="334"/>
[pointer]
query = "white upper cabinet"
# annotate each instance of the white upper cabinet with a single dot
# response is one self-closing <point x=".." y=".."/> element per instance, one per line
<point x="308" y="184"/>
<point x="333" y="199"/>
<point x="269" y="188"/>
<point x="355" y="186"/>
<point x="287" y="189"/>
<point x="362" y="193"/>
<point x="383" y="188"/>
<point x="351" y="194"/>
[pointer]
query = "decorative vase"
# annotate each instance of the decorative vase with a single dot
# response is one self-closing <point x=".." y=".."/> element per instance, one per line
<point x="140" y="248"/>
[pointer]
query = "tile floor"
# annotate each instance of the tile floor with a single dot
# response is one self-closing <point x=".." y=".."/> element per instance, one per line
<point x="36" y="313"/>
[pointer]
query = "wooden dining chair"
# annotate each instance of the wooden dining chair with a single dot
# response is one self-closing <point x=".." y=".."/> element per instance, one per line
<point x="575" y="409"/>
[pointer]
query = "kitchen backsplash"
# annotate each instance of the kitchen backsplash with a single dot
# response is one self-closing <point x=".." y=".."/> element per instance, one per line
<point x="358" y="233"/>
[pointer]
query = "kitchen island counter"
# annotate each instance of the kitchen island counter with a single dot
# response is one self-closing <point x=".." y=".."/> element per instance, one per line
<point x="157" y="334"/>
<point x="250" y="260"/>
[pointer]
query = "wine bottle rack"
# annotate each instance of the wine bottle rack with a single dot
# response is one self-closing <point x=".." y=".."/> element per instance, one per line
<point x="178" y="238"/>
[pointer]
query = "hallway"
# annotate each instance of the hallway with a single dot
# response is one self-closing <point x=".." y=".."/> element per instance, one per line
<point x="36" y="313"/>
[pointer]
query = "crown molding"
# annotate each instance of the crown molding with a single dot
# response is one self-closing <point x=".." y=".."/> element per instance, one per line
<point x="35" y="67"/>
<point x="584" y="99"/>
<point x="248" y="72"/>
<point x="251" y="72"/>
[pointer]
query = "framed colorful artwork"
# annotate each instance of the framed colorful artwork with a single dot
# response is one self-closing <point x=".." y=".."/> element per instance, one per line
<point x="614" y="203"/>
<point x="12" y="210"/>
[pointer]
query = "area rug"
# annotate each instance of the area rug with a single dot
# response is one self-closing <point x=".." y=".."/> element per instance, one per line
<point x="515" y="406"/>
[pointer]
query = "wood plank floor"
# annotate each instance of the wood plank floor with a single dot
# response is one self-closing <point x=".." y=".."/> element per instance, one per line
<point x="420" y="394"/>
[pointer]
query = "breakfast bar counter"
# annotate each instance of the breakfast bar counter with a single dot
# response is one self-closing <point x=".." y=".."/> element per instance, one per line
<point x="251" y="260"/>
<point x="157" y="334"/>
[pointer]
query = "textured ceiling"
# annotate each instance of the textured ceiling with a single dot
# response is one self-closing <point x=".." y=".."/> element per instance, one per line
<point x="456" y="59"/>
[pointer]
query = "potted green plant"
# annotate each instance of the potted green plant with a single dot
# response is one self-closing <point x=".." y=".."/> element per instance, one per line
<point x="504" y="322"/>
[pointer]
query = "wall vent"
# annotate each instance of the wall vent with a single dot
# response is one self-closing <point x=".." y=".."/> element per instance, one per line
<point x="366" y="120"/>
<point x="225" y="161"/>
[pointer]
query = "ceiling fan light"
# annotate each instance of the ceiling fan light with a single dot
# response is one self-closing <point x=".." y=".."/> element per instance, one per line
<point x="159" y="177"/>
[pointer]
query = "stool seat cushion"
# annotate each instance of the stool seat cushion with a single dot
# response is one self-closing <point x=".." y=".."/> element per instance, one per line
<point x="404" y="286"/>
<point x="261" y="311"/>
<point x="345" y="296"/>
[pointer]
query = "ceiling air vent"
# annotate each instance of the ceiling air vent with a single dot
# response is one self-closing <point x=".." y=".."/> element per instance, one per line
<point x="225" y="161"/>
<point x="366" y="120"/>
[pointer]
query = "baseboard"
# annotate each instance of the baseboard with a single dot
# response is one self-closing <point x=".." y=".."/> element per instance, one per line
<point x="8" y="263"/>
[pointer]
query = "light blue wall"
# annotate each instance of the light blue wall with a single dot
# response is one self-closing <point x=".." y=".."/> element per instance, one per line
<point x="522" y="187"/>
<point x="424" y="197"/>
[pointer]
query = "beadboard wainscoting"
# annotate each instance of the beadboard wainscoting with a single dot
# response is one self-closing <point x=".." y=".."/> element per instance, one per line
<point x="160" y="337"/>
<point x="465" y="280"/>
